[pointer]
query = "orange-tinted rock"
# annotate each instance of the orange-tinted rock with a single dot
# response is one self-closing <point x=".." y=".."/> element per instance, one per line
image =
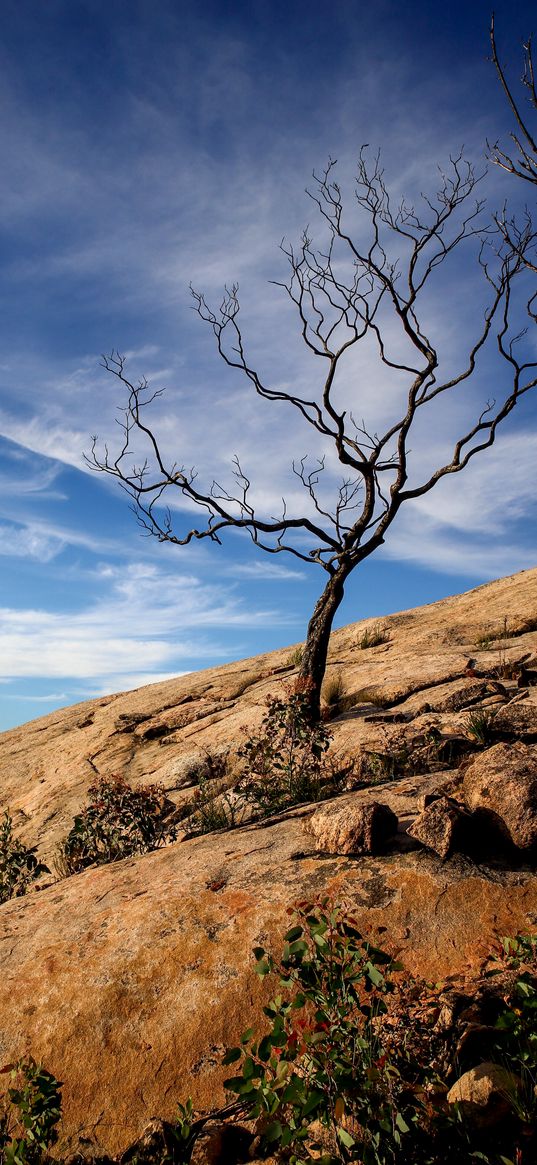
<point x="129" y="981"/>
<point x="442" y="826"/>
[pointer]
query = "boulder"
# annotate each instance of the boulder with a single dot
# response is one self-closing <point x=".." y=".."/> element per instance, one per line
<point x="483" y="1094"/>
<point x="353" y="828"/>
<point x="442" y="826"/>
<point x="501" y="785"/>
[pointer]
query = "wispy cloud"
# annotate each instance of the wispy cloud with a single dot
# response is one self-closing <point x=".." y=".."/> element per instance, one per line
<point x="147" y="623"/>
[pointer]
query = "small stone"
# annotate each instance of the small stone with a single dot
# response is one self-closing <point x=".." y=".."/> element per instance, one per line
<point x="359" y="829"/>
<point x="483" y="1094"/>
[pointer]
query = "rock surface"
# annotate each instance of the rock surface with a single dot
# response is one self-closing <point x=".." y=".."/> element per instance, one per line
<point x="129" y="981"/>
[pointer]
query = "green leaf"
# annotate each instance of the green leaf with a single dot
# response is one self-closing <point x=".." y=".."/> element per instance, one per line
<point x="293" y="934"/>
<point x="376" y="977"/>
<point x="401" y="1124"/>
<point x="273" y="1132"/>
<point x="345" y="1138"/>
<point x="231" y="1056"/>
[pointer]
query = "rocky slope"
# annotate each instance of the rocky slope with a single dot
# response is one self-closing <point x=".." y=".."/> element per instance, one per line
<point x="128" y="980"/>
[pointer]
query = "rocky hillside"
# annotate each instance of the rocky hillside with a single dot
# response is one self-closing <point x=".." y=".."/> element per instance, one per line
<point x="128" y="980"/>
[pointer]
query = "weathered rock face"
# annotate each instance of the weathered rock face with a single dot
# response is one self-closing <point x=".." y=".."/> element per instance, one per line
<point x="502" y="785"/>
<point x="159" y="732"/>
<point x="128" y="981"/>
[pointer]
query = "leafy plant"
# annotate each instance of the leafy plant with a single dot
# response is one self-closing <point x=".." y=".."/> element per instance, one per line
<point x="31" y="1111"/>
<point x="352" y="1066"/>
<point x="295" y="658"/>
<point x="318" y="1075"/>
<point x="515" y="1043"/>
<point x="117" y="822"/>
<point x="19" y="865"/>
<point x="183" y="1133"/>
<point x="373" y="636"/>
<point x="284" y="761"/>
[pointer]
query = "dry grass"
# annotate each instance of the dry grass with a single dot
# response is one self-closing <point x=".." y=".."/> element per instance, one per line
<point x="373" y="636"/>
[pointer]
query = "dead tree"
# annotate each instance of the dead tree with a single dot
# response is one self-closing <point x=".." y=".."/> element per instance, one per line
<point x="348" y="293"/>
<point x="521" y="161"/>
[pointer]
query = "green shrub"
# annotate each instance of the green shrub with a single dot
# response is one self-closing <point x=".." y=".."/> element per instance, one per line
<point x="296" y="656"/>
<point x="19" y="865"/>
<point x="117" y="823"/>
<point x="285" y="760"/>
<point x="515" y="1032"/>
<point x="319" y="1076"/>
<point x="31" y="1111"/>
<point x="354" y="1068"/>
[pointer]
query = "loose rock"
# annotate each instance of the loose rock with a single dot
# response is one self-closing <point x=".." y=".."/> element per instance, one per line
<point x="442" y="827"/>
<point x="360" y="829"/>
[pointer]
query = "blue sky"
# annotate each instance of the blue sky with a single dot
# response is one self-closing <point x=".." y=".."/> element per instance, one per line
<point x="150" y="143"/>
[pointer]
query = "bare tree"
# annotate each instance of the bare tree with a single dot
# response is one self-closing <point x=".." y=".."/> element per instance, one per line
<point x="345" y="294"/>
<point x="522" y="162"/>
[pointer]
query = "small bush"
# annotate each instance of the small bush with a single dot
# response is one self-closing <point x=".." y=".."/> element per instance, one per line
<point x="31" y="1110"/>
<point x="284" y="761"/>
<point x="515" y="1031"/>
<point x="355" y="1068"/>
<point x="117" y="823"/>
<point x="373" y="636"/>
<point x="211" y="765"/>
<point x="19" y="865"/>
<point x="295" y="658"/>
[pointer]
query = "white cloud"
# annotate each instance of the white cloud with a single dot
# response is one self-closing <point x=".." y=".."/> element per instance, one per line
<point x="148" y="623"/>
<point x="262" y="569"/>
<point x="28" y="542"/>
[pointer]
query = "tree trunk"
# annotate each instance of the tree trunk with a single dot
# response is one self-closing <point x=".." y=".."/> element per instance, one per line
<point x="313" y="663"/>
